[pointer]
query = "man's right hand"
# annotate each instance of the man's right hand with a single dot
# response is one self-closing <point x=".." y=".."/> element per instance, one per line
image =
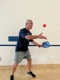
<point x="41" y="36"/>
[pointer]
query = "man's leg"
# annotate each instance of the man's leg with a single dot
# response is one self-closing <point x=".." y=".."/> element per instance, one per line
<point x="17" y="59"/>
<point x="14" y="68"/>
<point x="29" y="72"/>
<point x="29" y="64"/>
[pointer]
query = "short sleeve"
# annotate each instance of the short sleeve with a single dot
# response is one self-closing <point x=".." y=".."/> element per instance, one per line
<point x="22" y="33"/>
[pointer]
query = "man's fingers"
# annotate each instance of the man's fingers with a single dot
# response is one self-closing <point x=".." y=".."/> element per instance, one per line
<point x="41" y="33"/>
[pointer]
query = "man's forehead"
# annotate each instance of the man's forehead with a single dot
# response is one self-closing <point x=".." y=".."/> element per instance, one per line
<point x="29" y="21"/>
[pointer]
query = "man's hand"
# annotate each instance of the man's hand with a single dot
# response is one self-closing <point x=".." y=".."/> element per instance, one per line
<point x="40" y="45"/>
<point x="41" y="36"/>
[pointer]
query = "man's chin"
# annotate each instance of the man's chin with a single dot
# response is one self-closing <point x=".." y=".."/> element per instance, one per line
<point x="30" y="28"/>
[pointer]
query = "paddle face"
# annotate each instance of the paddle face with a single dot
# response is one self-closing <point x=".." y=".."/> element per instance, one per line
<point x="46" y="44"/>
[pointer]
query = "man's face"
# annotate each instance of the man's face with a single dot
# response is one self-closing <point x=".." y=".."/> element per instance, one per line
<point x="29" y="25"/>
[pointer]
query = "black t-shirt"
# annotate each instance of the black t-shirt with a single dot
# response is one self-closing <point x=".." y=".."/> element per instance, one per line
<point x="22" y="43"/>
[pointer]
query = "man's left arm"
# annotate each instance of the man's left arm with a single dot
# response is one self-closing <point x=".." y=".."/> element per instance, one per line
<point x="37" y="44"/>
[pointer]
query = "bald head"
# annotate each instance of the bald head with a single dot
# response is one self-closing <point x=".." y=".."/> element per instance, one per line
<point x="29" y="24"/>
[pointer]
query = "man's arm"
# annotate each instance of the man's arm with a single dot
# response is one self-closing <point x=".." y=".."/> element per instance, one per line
<point x="40" y="36"/>
<point x="37" y="44"/>
<point x="23" y="34"/>
<point x="29" y="37"/>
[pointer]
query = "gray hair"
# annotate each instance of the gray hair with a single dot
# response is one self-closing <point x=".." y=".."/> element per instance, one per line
<point x="28" y="21"/>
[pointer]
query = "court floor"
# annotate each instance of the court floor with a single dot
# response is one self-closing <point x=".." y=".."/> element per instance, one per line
<point x="42" y="73"/>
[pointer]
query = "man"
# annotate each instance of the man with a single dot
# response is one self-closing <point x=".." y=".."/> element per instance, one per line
<point x="22" y="51"/>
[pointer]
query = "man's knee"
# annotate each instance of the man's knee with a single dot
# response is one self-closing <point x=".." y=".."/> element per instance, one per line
<point x="15" y="64"/>
<point x="29" y="60"/>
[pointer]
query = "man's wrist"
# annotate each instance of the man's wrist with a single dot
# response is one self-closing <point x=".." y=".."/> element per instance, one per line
<point x="39" y="45"/>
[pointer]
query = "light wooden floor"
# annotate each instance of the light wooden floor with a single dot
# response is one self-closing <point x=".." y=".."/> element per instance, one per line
<point x="42" y="73"/>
